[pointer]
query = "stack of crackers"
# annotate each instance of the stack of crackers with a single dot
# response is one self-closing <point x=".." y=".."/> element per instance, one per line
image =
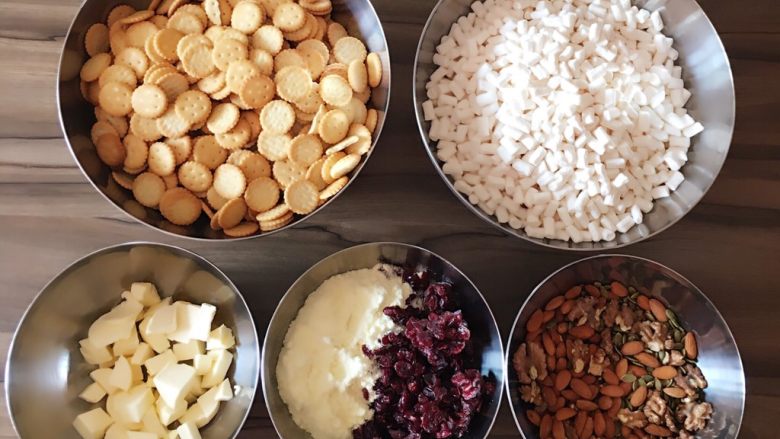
<point x="247" y="111"/>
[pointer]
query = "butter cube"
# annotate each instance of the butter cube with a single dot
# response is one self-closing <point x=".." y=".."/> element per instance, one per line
<point x="93" y="393"/>
<point x="153" y="309"/>
<point x="94" y="354"/>
<point x="174" y="382"/>
<point x="93" y="424"/>
<point x="202" y="327"/>
<point x="115" y="405"/>
<point x="138" y="401"/>
<point x="145" y="292"/>
<point x="141" y="435"/>
<point x="199" y="414"/>
<point x="158" y="342"/>
<point x="188" y="431"/>
<point x="173" y="434"/>
<point x="221" y="360"/>
<point x="116" y="324"/>
<point x="192" y="322"/>
<point x="169" y="414"/>
<point x="116" y="431"/>
<point x="103" y="377"/>
<point x="220" y="338"/>
<point x="163" y="320"/>
<point x="126" y="347"/>
<point x="224" y="391"/>
<point x="202" y="363"/>
<point x="141" y="354"/>
<point x="188" y="351"/>
<point x="157" y="363"/>
<point x="152" y="423"/>
<point x="125" y="375"/>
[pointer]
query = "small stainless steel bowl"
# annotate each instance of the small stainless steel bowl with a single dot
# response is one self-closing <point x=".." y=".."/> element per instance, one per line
<point x="484" y="330"/>
<point x="706" y="72"/>
<point x="718" y="358"/>
<point x="46" y="372"/>
<point x="77" y="115"/>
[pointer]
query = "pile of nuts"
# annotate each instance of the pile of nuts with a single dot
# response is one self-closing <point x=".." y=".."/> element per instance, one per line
<point x="248" y="111"/>
<point x="608" y="361"/>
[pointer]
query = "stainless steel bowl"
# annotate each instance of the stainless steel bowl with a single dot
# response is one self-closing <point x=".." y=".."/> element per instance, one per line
<point x="77" y="115"/>
<point x="718" y="359"/>
<point x="45" y="371"/>
<point x="706" y="72"/>
<point x="484" y="330"/>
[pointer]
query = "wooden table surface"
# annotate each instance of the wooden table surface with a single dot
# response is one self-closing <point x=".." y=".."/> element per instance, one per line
<point x="729" y="245"/>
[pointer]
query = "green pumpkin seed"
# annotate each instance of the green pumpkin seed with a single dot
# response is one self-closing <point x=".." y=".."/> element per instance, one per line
<point x="677" y="335"/>
<point x="658" y="385"/>
<point x="648" y="378"/>
<point x="634" y="385"/>
<point x="628" y="378"/>
<point x="662" y="356"/>
<point x="641" y="382"/>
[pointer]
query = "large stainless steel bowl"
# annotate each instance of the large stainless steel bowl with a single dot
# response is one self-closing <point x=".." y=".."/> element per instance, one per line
<point x="706" y="72"/>
<point x="484" y="330"/>
<point x="77" y="115"/>
<point x="718" y="358"/>
<point x="45" y="371"/>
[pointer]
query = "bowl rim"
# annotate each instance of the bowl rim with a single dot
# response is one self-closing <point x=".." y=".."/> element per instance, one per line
<point x="548" y="243"/>
<point x="101" y="251"/>
<point x="507" y="355"/>
<point x="355" y="173"/>
<point x="265" y="380"/>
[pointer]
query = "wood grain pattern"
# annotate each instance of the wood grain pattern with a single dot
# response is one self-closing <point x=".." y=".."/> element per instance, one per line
<point x="729" y="245"/>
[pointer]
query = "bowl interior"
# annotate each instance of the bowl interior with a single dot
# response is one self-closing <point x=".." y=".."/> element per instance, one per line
<point x="46" y="369"/>
<point x="719" y="358"/>
<point x="707" y="76"/>
<point x="77" y="115"/>
<point x="484" y="331"/>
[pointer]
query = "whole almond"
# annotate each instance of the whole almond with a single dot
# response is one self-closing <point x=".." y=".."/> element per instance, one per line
<point x="637" y="371"/>
<point x="659" y="310"/>
<point x="554" y="303"/>
<point x="618" y="289"/>
<point x="691" y="347"/>
<point x="548" y="343"/>
<point x="579" y="421"/>
<point x="562" y="379"/>
<point x="573" y="292"/>
<point x="657" y="430"/>
<point x="605" y="402"/>
<point x="613" y="391"/>
<point x="610" y="377"/>
<point x="616" y="406"/>
<point x="558" y="431"/>
<point x="587" y="432"/>
<point x="533" y="417"/>
<point x="535" y="321"/>
<point x="621" y="368"/>
<point x="569" y="395"/>
<point x="545" y="427"/>
<point x="567" y="306"/>
<point x="665" y="372"/>
<point x="647" y="359"/>
<point x="581" y="388"/>
<point x="592" y="290"/>
<point x="643" y="302"/>
<point x="565" y="413"/>
<point x="638" y="397"/>
<point x="582" y="331"/>
<point x="632" y="347"/>
<point x="547" y="316"/>
<point x="549" y="396"/>
<point x="588" y="406"/>
<point x="599" y="424"/>
<point x="675" y="392"/>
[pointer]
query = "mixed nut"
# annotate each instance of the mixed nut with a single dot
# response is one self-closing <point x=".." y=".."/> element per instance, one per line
<point x="605" y="360"/>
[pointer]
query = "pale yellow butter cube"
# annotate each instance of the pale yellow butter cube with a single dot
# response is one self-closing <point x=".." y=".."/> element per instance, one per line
<point x="220" y="338"/>
<point x="157" y="363"/>
<point x="221" y="360"/>
<point x="188" y="351"/>
<point x="141" y="354"/>
<point x="92" y="424"/>
<point x="145" y="292"/>
<point x="188" y="431"/>
<point x="174" y="382"/>
<point x="93" y="393"/>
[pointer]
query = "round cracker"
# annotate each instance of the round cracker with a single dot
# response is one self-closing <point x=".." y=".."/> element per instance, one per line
<point x="166" y="43"/>
<point x="119" y="12"/>
<point x="257" y="91"/>
<point x="247" y="17"/>
<point x="186" y="23"/>
<point x="229" y="181"/>
<point x="149" y="101"/>
<point x="214" y="199"/>
<point x="336" y="32"/>
<point x="123" y="179"/>
<point x="314" y="174"/>
<point x="289" y="17"/>
<point x="227" y="50"/>
<point x="181" y="147"/>
<point x="254" y="166"/>
<point x="278" y="223"/>
<point x="262" y="194"/>
<point x="193" y="106"/>
<point x="161" y="159"/>
<point x="288" y="57"/>
<point x="274" y="213"/>
<point x="198" y="61"/>
<point x="302" y="196"/>
<point x="110" y="150"/>
<point x="374" y="67"/>
<point x="136" y="17"/>
<point x="333" y="188"/>
<point x="286" y="172"/>
<point x="348" y="49"/>
<point x="336" y="69"/>
<point x="145" y="128"/>
<point x="137" y="151"/>
<point x="274" y="147"/>
<point x="118" y="73"/>
<point x="212" y="83"/>
<point x="335" y="90"/>
<point x="315" y="53"/>
<point x="96" y="39"/>
<point x="268" y="38"/>
<point x="344" y="144"/>
<point x="180" y="206"/>
<point x="119" y="123"/>
<point x="357" y="76"/>
<point x="94" y="66"/>
<point x="115" y="98"/>
<point x="333" y="126"/>
<point x="195" y="176"/>
<point x="148" y="189"/>
<point x="236" y="138"/>
<point x="308" y="30"/>
<point x="328" y="165"/>
<point x="238" y="72"/>
<point x="138" y="33"/>
<point x="244" y="229"/>
<point x="223" y="118"/>
<point x="208" y="152"/>
<point x="173" y="84"/>
<point x="263" y="60"/>
<point x="213" y="12"/>
<point x="232" y="213"/>
<point x="372" y="118"/>
<point x="134" y="58"/>
<point x="344" y="166"/>
<point x="305" y="149"/>
<point x="100" y="128"/>
<point x="293" y="83"/>
<point x="277" y="117"/>
<point x="171" y="125"/>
